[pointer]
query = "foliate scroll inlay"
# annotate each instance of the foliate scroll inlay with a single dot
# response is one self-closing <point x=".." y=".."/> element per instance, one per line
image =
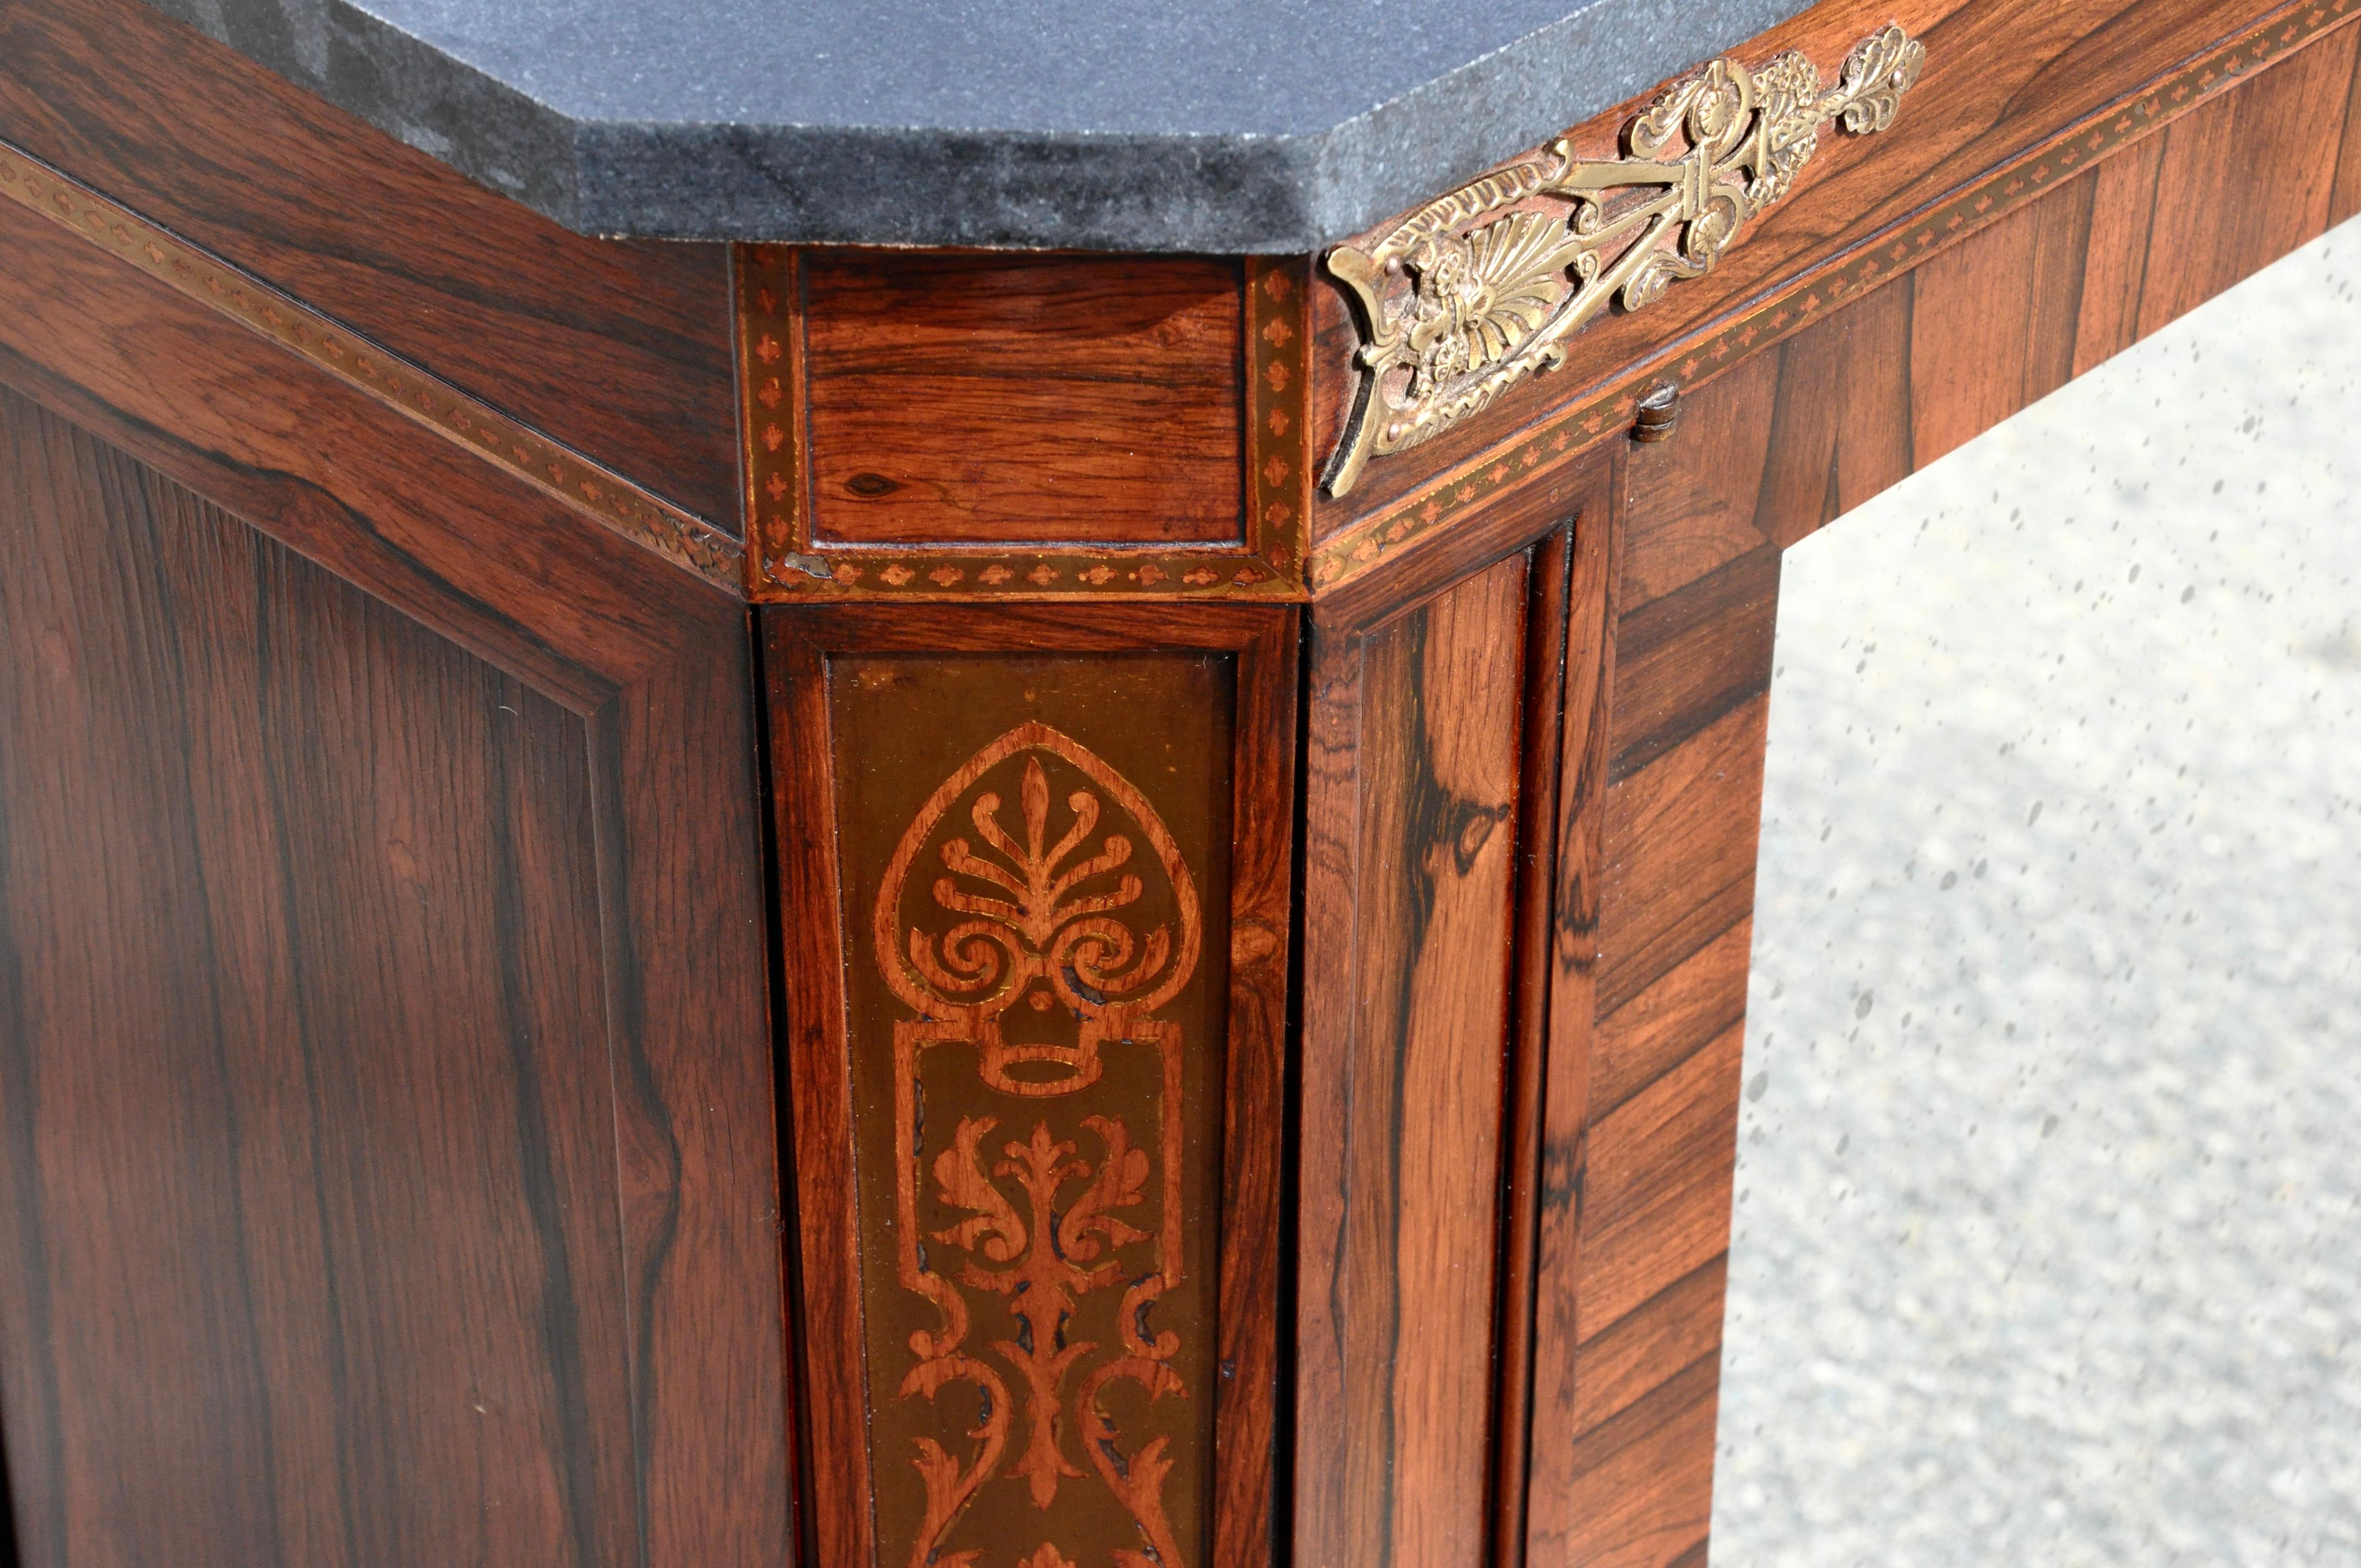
<point x="1036" y="916"/>
<point x="1482" y="288"/>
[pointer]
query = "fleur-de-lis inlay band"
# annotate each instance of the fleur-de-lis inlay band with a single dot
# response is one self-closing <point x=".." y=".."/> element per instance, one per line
<point x="1482" y="288"/>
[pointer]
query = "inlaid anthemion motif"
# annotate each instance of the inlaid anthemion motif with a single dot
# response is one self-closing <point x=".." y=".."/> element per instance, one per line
<point x="1040" y="934"/>
<point x="1481" y="289"/>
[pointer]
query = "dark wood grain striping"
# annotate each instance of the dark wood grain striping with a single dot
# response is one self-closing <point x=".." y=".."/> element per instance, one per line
<point x="1622" y="1432"/>
<point x="1526" y="1110"/>
<point x="1592" y="595"/>
<point x="1431" y="820"/>
<point x="619" y="852"/>
<point x="1684" y="661"/>
<point x="1440" y="764"/>
<point x="1656" y="1130"/>
<point x="313" y="940"/>
<point x="620" y="349"/>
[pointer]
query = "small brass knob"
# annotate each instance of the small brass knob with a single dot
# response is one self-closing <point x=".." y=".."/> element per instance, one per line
<point x="1659" y="411"/>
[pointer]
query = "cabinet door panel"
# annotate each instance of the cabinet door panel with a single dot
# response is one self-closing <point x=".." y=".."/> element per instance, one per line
<point x="387" y="1136"/>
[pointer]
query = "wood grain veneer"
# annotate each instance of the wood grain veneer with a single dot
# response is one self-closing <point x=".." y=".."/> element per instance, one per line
<point x="1431" y="803"/>
<point x="1640" y="1109"/>
<point x="622" y="350"/>
<point x="321" y="695"/>
<point x="382" y="940"/>
<point x="975" y="398"/>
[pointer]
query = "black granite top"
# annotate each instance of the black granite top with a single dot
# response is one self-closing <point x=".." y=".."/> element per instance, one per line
<point x="1108" y="125"/>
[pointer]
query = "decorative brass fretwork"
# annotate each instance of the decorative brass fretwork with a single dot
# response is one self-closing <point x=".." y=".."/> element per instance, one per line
<point x="1482" y="289"/>
<point x="1039" y="918"/>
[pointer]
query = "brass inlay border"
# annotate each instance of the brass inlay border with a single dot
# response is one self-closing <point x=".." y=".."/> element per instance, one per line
<point x="554" y="469"/>
<point x="784" y="562"/>
<point x="1482" y="288"/>
<point x="1780" y="315"/>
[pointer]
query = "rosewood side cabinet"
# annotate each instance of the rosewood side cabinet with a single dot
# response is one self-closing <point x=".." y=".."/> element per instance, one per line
<point x="885" y="786"/>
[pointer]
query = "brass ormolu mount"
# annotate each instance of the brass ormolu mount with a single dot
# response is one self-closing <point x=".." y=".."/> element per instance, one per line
<point x="1482" y="288"/>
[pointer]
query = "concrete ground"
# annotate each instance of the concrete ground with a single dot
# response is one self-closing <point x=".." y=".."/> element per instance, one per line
<point x="2048" y="1247"/>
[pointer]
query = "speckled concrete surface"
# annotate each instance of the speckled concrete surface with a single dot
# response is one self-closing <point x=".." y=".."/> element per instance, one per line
<point x="2049" y="1232"/>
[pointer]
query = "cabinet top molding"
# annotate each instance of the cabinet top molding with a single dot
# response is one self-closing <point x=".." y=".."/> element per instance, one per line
<point x="1220" y="125"/>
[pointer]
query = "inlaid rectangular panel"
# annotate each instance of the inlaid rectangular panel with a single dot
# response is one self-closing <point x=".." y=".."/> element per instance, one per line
<point x="933" y="425"/>
<point x="1035" y="911"/>
<point x="1112" y="388"/>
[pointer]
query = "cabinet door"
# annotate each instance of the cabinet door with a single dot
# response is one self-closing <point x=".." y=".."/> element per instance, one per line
<point x="387" y="1167"/>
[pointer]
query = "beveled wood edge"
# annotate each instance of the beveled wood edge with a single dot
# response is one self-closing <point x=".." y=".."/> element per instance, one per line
<point x="1569" y="426"/>
<point x="1257" y="1147"/>
<point x="786" y="564"/>
<point x="585" y="486"/>
<point x="1539" y="788"/>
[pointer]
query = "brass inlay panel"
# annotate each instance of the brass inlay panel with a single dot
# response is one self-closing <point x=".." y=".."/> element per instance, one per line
<point x="1566" y="434"/>
<point x="554" y="469"/>
<point x="1036" y="1102"/>
<point x="1481" y="289"/>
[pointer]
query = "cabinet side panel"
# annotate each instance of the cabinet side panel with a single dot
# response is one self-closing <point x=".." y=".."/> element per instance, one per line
<point x="308" y="1140"/>
<point x="1410" y="887"/>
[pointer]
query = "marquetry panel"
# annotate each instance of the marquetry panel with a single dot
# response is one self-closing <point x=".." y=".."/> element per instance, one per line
<point x="1035" y="1119"/>
<point x="972" y="425"/>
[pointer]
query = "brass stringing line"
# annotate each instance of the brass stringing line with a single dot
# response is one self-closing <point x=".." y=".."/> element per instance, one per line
<point x="554" y="469"/>
<point x="1454" y="310"/>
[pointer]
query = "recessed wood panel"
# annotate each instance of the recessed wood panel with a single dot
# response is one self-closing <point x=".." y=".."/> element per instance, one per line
<point x="995" y="399"/>
<point x="383" y="763"/>
<point x="1036" y="1083"/>
<point x="1420" y="754"/>
<point x="307" y="1160"/>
